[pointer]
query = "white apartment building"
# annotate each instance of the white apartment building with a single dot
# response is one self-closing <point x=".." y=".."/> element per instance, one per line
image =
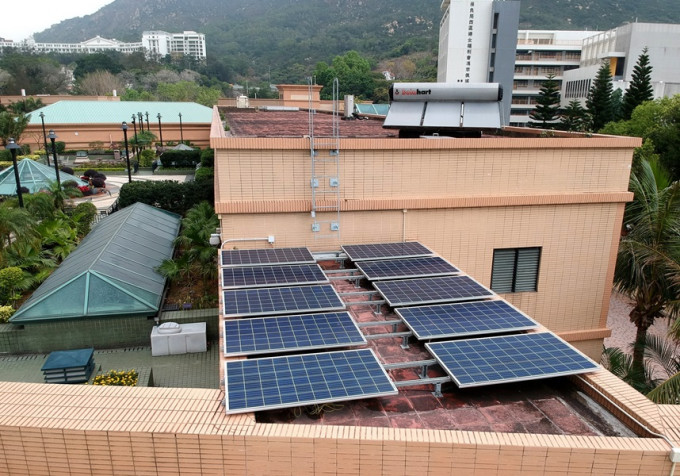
<point x="540" y="53"/>
<point x="477" y="43"/>
<point x="622" y="47"/>
<point x="154" y="44"/>
<point x="162" y="43"/>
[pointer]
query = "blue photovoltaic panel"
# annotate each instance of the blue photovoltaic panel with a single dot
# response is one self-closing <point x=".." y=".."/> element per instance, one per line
<point x="409" y="249"/>
<point x="262" y="335"/>
<point x="409" y="292"/>
<point x="513" y="358"/>
<point x="268" y="276"/>
<point x="267" y="256"/>
<point x="288" y="300"/>
<point x="406" y="268"/>
<point x="296" y="380"/>
<point x="465" y="319"/>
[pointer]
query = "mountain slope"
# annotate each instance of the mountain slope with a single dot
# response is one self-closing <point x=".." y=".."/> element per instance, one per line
<point x="286" y="38"/>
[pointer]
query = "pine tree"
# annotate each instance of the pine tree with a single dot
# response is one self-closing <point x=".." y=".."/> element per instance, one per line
<point x="599" y="101"/>
<point x="640" y="88"/>
<point x="574" y="117"/>
<point x="546" y="112"/>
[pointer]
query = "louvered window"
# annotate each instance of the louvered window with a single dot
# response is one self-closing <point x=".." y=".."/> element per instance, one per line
<point x="515" y="270"/>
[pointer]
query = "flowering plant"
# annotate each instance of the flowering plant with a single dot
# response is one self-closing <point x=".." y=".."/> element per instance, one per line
<point x="120" y="378"/>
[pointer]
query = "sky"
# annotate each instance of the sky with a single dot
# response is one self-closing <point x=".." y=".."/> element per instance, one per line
<point x="22" y="18"/>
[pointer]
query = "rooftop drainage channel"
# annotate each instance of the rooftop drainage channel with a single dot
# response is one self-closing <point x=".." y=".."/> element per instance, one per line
<point x="424" y="379"/>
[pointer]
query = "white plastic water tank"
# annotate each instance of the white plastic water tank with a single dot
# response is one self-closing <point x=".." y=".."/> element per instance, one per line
<point x="242" y="102"/>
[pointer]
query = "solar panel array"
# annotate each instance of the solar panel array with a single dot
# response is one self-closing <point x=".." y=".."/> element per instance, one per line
<point x="409" y="292"/>
<point x="406" y="268"/>
<point x="281" y="300"/>
<point x="267" y="256"/>
<point x="408" y="249"/>
<point x="262" y="335"/>
<point x="269" y="276"/>
<point x="465" y="319"/>
<point x="512" y="358"/>
<point x="289" y="381"/>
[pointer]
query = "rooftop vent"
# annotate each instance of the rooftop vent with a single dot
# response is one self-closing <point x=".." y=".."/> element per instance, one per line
<point x="452" y="109"/>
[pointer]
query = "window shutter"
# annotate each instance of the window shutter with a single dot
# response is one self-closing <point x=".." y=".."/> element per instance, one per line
<point x="526" y="276"/>
<point x="502" y="270"/>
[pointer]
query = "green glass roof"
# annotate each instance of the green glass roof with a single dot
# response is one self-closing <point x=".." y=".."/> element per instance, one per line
<point x="111" y="273"/>
<point x="115" y="112"/>
<point x="32" y="175"/>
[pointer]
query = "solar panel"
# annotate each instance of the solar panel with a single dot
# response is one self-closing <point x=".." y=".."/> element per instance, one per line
<point x="267" y="256"/>
<point x="409" y="249"/>
<point x="408" y="292"/>
<point x="464" y="319"/>
<point x="263" y="335"/>
<point x="513" y="358"/>
<point x="287" y="300"/>
<point x="406" y="268"/>
<point x="264" y="276"/>
<point x="295" y="380"/>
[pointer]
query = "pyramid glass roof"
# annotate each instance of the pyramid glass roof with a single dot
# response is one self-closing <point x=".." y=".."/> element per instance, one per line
<point x="32" y="175"/>
<point x="111" y="273"/>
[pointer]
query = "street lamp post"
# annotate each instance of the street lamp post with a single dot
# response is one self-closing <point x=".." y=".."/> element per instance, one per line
<point x="147" y="121"/>
<point x="47" y="154"/>
<point x="160" y="128"/>
<point x="53" y="137"/>
<point x="13" y="147"/>
<point x="141" y="121"/>
<point x="181" y="133"/>
<point x="136" y="146"/>
<point x="127" y="153"/>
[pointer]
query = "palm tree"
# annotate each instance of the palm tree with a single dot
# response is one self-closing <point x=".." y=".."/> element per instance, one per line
<point x="649" y="253"/>
<point x="15" y="224"/>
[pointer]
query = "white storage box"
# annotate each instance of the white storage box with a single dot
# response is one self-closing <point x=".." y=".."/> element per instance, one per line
<point x="171" y="338"/>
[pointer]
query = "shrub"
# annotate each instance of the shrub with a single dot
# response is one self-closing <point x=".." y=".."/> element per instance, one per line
<point x="204" y="173"/>
<point x="180" y="158"/>
<point x="208" y="158"/>
<point x="146" y="157"/>
<point x="98" y="182"/>
<point x="119" y="378"/>
<point x="69" y="183"/>
<point x="99" y="175"/>
<point x="11" y="279"/>
<point x="5" y="313"/>
<point x="83" y="215"/>
<point x="60" y="146"/>
<point x="66" y="170"/>
<point x="89" y="173"/>
<point x="5" y="156"/>
<point x="167" y="194"/>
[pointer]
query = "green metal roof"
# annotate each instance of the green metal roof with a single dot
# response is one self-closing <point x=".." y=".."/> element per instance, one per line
<point x="32" y="175"/>
<point x="115" y="112"/>
<point x="111" y="273"/>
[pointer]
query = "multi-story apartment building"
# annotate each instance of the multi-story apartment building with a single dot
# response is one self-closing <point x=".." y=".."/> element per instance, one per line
<point x="622" y="46"/>
<point x="154" y="43"/>
<point x="477" y="43"/>
<point x="539" y="54"/>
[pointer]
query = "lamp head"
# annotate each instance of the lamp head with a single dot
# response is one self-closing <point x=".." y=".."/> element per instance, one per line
<point x="11" y="145"/>
<point x="52" y="135"/>
<point x="124" y="126"/>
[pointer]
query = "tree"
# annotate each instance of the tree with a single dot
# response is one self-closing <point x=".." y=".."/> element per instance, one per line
<point x="97" y="62"/>
<point x="353" y="72"/>
<point x="12" y="126"/>
<point x="648" y="254"/>
<point x="15" y="224"/>
<point x="599" y="101"/>
<point x="26" y="105"/>
<point x="34" y="74"/>
<point x="574" y="117"/>
<point x="100" y="83"/>
<point x="640" y="88"/>
<point x="546" y="113"/>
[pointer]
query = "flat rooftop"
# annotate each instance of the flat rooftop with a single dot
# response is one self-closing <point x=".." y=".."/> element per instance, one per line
<point x="553" y="406"/>
<point x="262" y="123"/>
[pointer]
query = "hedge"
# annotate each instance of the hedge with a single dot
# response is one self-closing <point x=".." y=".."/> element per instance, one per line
<point x="168" y="195"/>
<point x="208" y="158"/>
<point x="180" y="158"/>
